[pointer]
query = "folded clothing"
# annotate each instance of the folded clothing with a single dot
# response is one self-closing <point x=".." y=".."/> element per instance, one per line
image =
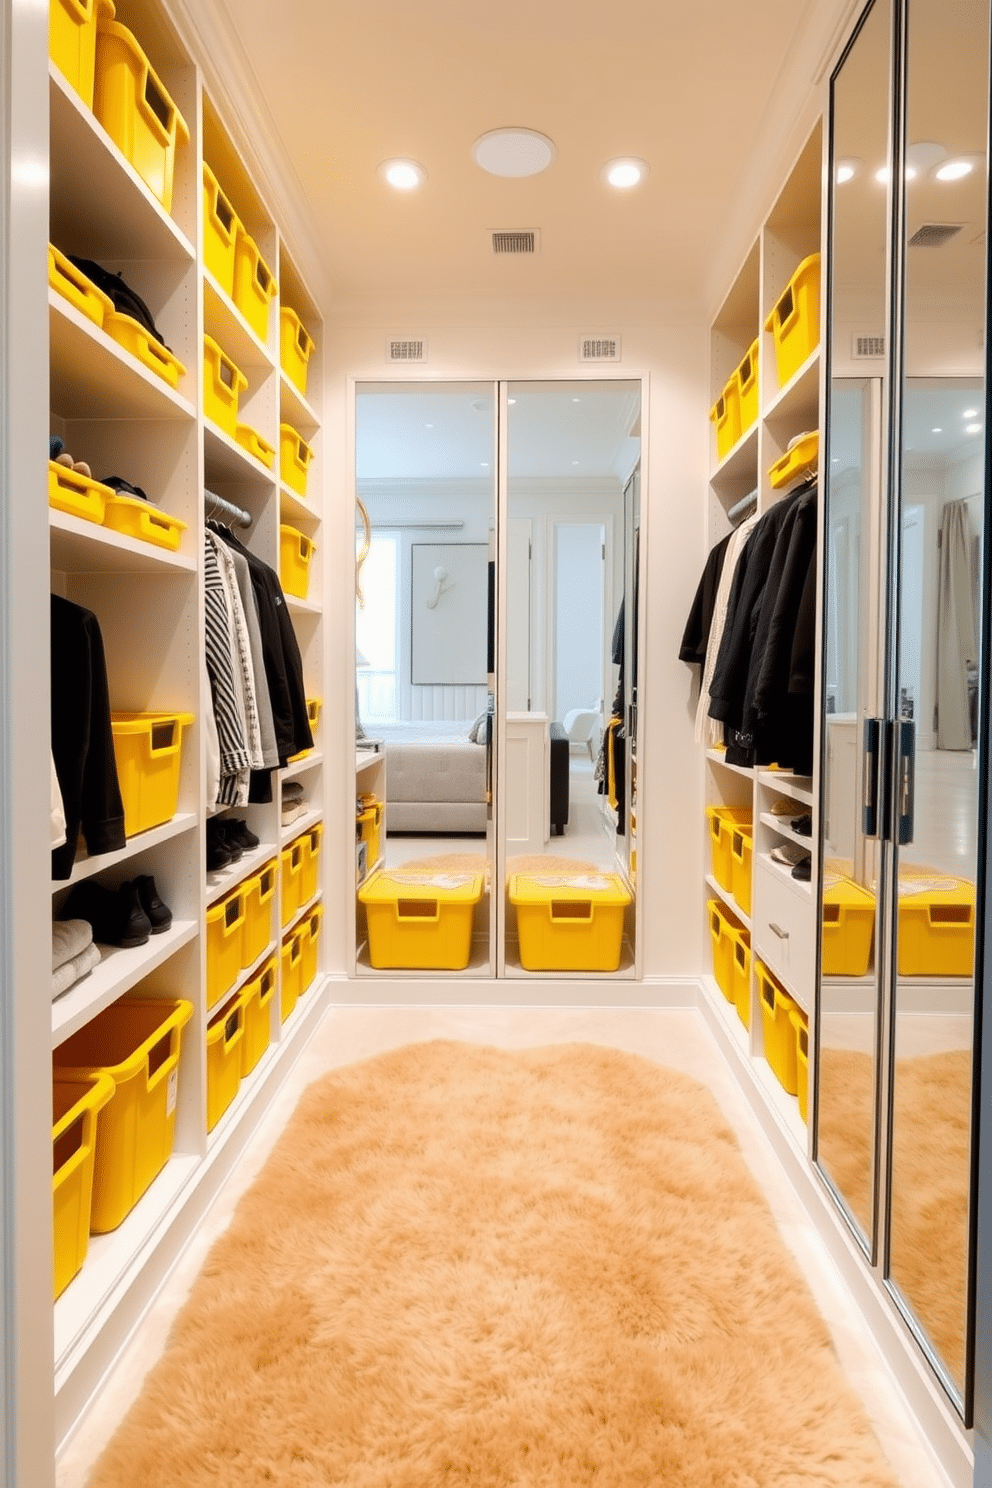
<point x="69" y="939"/>
<point x="71" y="972"/>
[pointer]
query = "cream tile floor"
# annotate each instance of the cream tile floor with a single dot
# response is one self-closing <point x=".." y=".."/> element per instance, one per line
<point x="678" y="1038"/>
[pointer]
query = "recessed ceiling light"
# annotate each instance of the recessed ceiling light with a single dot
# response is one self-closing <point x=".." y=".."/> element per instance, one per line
<point x="428" y="426"/>
<point x="970" y="413"/>
<point x="513" y="152"/>
<point x="883" y="174"/>
<point x="847" y="169"/>
<point x="511" y="400"/>
<point x="405" y="175"/>
<point x="954" y="170"/>
<point x="625" y="173"/>
<point x="936" y="431"/>
<point x="972" y="428"/>
<point x="575" y="462"/>
<point x="576" y="400"/>
<point x="484" y="464"/>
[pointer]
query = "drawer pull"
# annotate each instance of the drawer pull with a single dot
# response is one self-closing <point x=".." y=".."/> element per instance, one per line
<point x="777" y="930"/>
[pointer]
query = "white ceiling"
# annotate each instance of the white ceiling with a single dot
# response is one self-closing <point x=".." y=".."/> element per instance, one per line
<point x="684" y="86"/>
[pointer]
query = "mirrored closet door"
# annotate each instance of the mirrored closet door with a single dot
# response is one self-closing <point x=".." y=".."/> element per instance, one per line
<point x="904" y="756"/>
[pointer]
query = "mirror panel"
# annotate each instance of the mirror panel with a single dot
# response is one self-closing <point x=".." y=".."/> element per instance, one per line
<point x="941" y="539"/>
<point x="849" y="1000"/>
<point x="572" y="524"/>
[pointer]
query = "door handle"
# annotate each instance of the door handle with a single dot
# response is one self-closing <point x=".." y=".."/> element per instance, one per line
<point x="777" y="930"/>
<point x="871" y="775"/>
<point x="906" y="783"/>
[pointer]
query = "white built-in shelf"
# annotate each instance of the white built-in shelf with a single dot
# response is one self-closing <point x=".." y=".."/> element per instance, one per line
<point x="303" y="914"/>
<point x="243" y="977"/>
<point x="78" y="546"/>
<point x="85" y="866"/>
<point x="88" y="174"/>
<point x="294" y="408"/>
<point x="718" y="757"/>
<point x="110" y="1258"/>
<point x="479" y="965"/>
<point x="302" y="606"/>
<point x="364" y="758"/>
<point x="236" y="338"/>
<point x="784" y="1105"/>
<point x="728" y="900"/>
<point x="291" y="505"/>
<point x="220" y="880"/>
<point x="739" y="465"/>
<point x="727" y="1013"/>
<point x="780" y="825"/>
<point x="784" y="870"/>
<point x="799" y="787"/>
<point x="92" y="376"/>
<point x="116" y="974"/>
<point x="303" y="823"/>
<point x="302" y="766"/>
<point x="224" y="459"/>
<point x="799" y="401"/>
<point x="246" y="1089"/>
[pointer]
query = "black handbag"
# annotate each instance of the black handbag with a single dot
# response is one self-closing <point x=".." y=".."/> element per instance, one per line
<point x="126" y="300"/>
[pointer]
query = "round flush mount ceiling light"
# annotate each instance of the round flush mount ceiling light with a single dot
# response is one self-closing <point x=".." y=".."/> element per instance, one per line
<point x="847" y="170"/>
<point x="513" y="152"/>
<point x="882" y="175"/>
<point x="404" y="175"/>
<point x="955" y="170"/>
<point x="625" y="173"/>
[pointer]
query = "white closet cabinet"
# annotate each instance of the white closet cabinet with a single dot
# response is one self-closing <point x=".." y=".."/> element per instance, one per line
<point x="123" y="419"/>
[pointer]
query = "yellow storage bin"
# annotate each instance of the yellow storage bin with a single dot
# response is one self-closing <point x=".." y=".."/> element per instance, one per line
<point x="569" y="922"/>
<point x="223" y="384"/>
<point x="367" y="830"/>
<point x="136" y="518"/>
<point x="848" y="929"/>
<point x="314" y="706"/>
<point x="260" y="449"/>
<point x="742" y="976"/>
<point x="296" y="347"/>
<point x="225" y="1033"/>
<point x="795" y="321"/>
<point x="259" y="894"/>
<point x="291" y="956"/>
<point x="311" y="935"/>
<point x="420" y="921"/>
<point x="725" y="415"/>
<point x="257" y="996"/>
<point x="76" y="494"/>
<point x="295" y="457"/>
<point x="225" y="930"/>
<point x="747" y="386"/>
<point x="220" y="232"/>
<point x="797" y="461"/>
<point x="133" y="336"/>
<point x="291" y="859"/>
<point x="71" y="283"/>
<point x="936" y="925"/>
<point x="723" y="928"/>
<point x="254" y="285"/>
<point x="310" y="871"/>
<point x="741" y="855"/>
<point x="295" y="553"/>
<point x="72" y="42"/>
<point x="800" y="1027"/>
<point x="148" y="749"/>
<point x="134" y="107"/>
<point x="722" y="821"/>
<point x="75" y="1104"/>
<point x="776" y="1021"/>
<point x="137" y="1042"/>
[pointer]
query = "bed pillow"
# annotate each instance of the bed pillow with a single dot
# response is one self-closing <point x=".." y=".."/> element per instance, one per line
<point x="477" y="733"/>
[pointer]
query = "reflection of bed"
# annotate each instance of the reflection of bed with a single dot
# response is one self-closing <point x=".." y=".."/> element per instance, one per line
<point x="435" y="778"/>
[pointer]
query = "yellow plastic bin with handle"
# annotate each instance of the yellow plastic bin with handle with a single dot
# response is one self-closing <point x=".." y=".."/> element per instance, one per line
<point x="569" y="921"/>
<point x="258" y="994"/>
<point x="148" y="751"/>
<point x="72" y="42"/>
<point x="779" y="1033"/>
<point x="420" y="921"/>
<point x="225" y="1033"/>
<point x="75" y="1106"/>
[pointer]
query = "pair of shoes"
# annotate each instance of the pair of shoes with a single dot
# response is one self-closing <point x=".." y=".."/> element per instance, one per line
<point x="227" y="841"/>
<point x="125" y="916"/>
<point x="803" y="825"/>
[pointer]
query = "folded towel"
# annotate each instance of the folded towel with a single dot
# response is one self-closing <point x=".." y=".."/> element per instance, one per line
<point x="73" y="971"/>
<point x="69" y="939"/>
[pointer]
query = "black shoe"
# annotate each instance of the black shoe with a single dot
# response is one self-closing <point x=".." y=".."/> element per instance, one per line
<point x="240" y="832"/>
<point x="158" y="913"/>
<point x="803" y="825"/>
<point x="218" y="855"/>
<point x="803" y="870"/>
<point x="223" y="829"/>
<point x="116" y="915"/>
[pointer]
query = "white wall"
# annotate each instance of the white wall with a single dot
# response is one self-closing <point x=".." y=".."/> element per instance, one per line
<point x="667" y="343"/>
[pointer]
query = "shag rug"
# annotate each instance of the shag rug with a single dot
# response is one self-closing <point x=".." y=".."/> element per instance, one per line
<point x="930" y="1175"/>
<point x="469" y="1267"/>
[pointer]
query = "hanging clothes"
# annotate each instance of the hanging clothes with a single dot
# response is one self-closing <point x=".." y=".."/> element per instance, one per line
<point x="697" y="627"/>
<point x="244" y="671"/>
<point x="735" y="547"/>
<point x="228" y="708"/>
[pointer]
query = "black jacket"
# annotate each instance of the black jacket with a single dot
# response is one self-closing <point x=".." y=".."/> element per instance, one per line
<point x="695" y="637"/>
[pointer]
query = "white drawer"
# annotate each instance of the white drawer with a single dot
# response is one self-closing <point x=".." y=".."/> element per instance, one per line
<point x="783" y="926"/>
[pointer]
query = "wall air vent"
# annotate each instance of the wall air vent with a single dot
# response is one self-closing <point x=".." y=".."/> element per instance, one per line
<point x="934" y="234"/>
<point x="599" y="348"/>
<point x="866" y="348"/>
<point x="515" y="242"/>
<point x="406" y="349"/>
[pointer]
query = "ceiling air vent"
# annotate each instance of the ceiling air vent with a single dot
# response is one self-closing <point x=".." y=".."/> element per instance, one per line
<point x="515" y="242"/>
<point x="865" y="348"/>
<point x="406" y="349"/>
<point x="599" y="348"/>
<point x="934" y="234"/>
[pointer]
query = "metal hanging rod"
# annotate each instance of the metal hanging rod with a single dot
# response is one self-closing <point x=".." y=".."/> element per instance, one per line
<point x="744" y="505"/>
<point x="216" y="506"/>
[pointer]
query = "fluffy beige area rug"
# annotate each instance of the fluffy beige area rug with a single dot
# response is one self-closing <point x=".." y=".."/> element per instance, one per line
<point x="930" y="1174"/>
<point x="469" y="1267"/>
